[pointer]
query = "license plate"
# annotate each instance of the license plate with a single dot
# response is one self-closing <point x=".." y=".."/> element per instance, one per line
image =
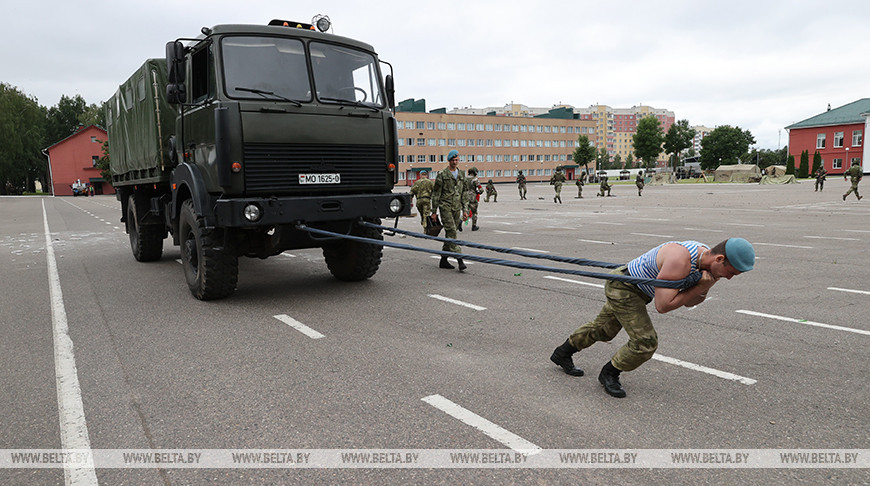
<point x="319" y="178"/>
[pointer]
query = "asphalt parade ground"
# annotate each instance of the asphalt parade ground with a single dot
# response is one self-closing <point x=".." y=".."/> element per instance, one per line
<point x="403" y="378"/>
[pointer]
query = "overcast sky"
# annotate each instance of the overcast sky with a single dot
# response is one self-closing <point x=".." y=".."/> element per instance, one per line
<point x="759" y="65"/>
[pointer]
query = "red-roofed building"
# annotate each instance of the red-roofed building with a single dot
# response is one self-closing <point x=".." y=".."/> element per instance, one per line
<point x="75" y="158"/>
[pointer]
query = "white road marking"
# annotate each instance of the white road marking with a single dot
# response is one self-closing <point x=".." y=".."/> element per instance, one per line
<point x="73" y="427"/>
<point x="784" y="246"/>
<point x="299" y="326"/>
<point x="289" y="255"/>
<point x="832" y="238"/>
<point x="746" y="224"/>
<point x="596" y="241"/>
<point x="528" y="249"/>
<point x="468" y="417"/>
<point x="696" y="367"/>
<point x="574" y="281"/>
<point x="858" y="231"/>
<point x="849" y="290"/>
<point x="457" y="302"/>
<point x="705" y="229"/>
<point x="804" y="321"/>
<point x="507" y="232"/>
<point x="654" y="236"/>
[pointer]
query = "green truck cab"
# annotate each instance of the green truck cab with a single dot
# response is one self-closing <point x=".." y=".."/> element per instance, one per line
<point x="246" y="131"/>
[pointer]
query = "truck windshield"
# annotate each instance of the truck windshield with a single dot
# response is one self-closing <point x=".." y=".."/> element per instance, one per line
<point x="257" y="65"/>
<point x="345" y="74"/>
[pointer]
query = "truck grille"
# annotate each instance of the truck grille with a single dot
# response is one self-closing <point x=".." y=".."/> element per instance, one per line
<point x="275" y="168"/>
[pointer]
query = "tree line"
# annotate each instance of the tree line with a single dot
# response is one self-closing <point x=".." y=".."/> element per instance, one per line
<point x="724" y="145"/>
<point x="27" y="128"/>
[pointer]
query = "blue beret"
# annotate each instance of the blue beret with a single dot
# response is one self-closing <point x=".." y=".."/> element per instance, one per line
<point x="740" y="254"/>
<point x="452" y="153"/>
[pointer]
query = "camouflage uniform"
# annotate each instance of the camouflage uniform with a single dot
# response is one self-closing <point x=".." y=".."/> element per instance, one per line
<point x="490" y="191"/>
<point x="579" y="188"/>
<point x="448" y="198"/>
<point x="604" y="187"/>
<point x="521" y="184"/>
<point x="557" y="180"/>
<point x="638" y="181"/>
<point x="820" y="179"/>
<point x="422" y="190"/>
<point x="856" y="173"/>
<point x="472" y="192"/>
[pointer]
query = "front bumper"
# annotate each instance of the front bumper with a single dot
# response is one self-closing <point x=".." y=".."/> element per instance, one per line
<point x="287" y="210"/>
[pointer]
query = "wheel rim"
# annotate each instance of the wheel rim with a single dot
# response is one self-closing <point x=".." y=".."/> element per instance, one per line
<point x="191" y="254"/>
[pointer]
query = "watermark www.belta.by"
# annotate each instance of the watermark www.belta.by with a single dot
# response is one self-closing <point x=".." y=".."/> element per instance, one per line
<point x="435" y="458"/>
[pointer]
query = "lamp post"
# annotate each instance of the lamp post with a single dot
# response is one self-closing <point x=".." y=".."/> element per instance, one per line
<point x="847" y="162"/>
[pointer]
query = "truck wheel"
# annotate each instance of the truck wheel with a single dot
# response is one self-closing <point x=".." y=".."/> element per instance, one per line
<point x="211" y="271"/>
<point x="146" y="241"/>
<point x="353" y="261"/>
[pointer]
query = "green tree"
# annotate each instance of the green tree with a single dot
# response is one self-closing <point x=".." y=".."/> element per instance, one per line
<point x="789" y="166"/>
<point x="103" y="163"/>
<point x="724" y="146"/>
<point x="629" y="160"/>
<point x="648" y="140"/>
<point x="93" y="115"/>
<point x="64" y="118"/>
<point x="805" y="165"/>
<point x="22" y="129"/>
<point x="679" y="137"/>
<point x="603" y="159"/>
<point x="617" y="161"/>
<point x="585" y="152"/>
<point x="817" y="161"/>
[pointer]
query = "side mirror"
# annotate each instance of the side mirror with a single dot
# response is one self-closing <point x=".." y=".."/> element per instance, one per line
<point x="391" y="92"/>
<point x="175" y="61"/>
<point x="176" y="94"/>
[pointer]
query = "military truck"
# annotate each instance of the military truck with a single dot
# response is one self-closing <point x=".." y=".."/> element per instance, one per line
<point x="246" y="131"/>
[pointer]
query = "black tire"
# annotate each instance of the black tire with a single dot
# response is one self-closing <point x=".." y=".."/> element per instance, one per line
<point x="210" y="270"/>
<point x="353" y="261"/>
<point x="146" y="241"/>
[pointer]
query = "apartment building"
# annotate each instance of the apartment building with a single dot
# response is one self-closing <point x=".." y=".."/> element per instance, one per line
<point x="497" y="143"/>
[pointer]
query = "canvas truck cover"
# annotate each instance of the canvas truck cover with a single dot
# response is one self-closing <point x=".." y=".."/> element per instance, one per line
<point x="140" y="123"/>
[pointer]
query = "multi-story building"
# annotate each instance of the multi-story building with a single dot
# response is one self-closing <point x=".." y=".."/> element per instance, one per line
<point x="616" y="126"/>
<point x="700" y="133"/>
<point x="499" y="145"/>
<point x="838" y="136"/>
<point x="75" y="159"/>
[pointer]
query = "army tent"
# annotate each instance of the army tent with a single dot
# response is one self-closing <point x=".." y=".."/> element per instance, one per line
<point x="737" y="173"/>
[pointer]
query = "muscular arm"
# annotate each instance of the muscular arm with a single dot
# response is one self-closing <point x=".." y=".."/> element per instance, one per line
<point x="674" y="264"/>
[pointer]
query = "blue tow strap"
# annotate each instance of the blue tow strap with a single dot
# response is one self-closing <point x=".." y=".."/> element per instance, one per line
<point x="685" y="283"/>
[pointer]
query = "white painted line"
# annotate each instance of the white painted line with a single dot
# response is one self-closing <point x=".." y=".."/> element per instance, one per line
<point x="289" y="255"/>
<point x="858" y="231"/>
<point x="804" y="321"/>
<point x="833" y="238"/>
<point x="73" y="427"/>
<point x="468" y="417"/>
<point x="457" y="302"/>
<point x="574" y="281"/>
<point x="705" y="229"/>
<point x="596" y="241"/>
<point x="438" y="257"/>
<point x="528" y="249"/>
<point x="849" y="290"/>
<point x="654" y="236"/>
<point x="299" y="326"/>
<point x="704" y="369"/>
<point x="507" y="232"/>
<point x="784" y="246"/>
<point x="746" y="224"/>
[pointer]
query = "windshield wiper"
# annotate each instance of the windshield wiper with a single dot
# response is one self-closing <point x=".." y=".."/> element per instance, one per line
<point x="350" y="102"/>
<point x="266" y="94"/>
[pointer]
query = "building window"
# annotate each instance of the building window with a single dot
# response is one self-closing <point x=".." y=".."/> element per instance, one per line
<point x="93" y="139"/>
<point x="401" y="142"/>
<point x="94" y="160"/>
<point x="498" y="173"/>
<point x="838" y="139"/>
<point x="838" y="164"/>
<point x="489" y="173"/>
<point x="480" y="127"/>
<point x="820" y="141"/>
<point x="442" y="125"/>
<point x="410" y="142"/>
<point x="433" y="158"/>
<point x="409" y="125"/>
<point x="451" y="142"/>
<point x="460" y="126"/>
<point x="451" y="126"/>
<point x="430" y="125"/>
<point x="857" y="137"/>
<point x="420" y="125"/>
<point x="431" y="142"/>
<point x="442" y="142"/>
<point x="421" y="159"/>
<point x="421" y="142"/>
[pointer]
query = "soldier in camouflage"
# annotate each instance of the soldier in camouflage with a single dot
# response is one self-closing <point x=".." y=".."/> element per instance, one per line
<point x="422" y="190"/>
<point x="856" y="174"/>
<point x="521" y="184"/>
<point x="473" y="190"/>
<point x="447" y="196"/>
<point x="557" y="180"/>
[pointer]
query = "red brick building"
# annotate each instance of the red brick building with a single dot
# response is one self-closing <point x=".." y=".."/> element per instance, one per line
<point x="75" y="157"/>
<point x="838" y="136"/>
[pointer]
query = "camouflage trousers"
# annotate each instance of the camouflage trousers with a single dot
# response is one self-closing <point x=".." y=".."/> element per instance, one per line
<point x="625" y="308"/>
<point x="424" y="208"/>
<point x="473" y="205"/>
<point x="852" y="189"/>
<point x="523" y="191"/>
<point x="451" y="219"/>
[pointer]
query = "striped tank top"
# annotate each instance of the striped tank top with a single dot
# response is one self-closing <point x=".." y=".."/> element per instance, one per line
<point x="645" y="266"/>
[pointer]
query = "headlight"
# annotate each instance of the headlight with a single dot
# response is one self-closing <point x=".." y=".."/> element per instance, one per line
<point x="396" y="206"/>
<point x="253" y="213"/>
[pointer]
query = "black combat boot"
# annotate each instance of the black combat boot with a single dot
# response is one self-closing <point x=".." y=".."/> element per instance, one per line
<point x="562" y="357"/>
<point x="445" y="264"/>
<point x="609" y="377"/>
<point x="475" y="227"/>
<point x="461" y="264"/>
